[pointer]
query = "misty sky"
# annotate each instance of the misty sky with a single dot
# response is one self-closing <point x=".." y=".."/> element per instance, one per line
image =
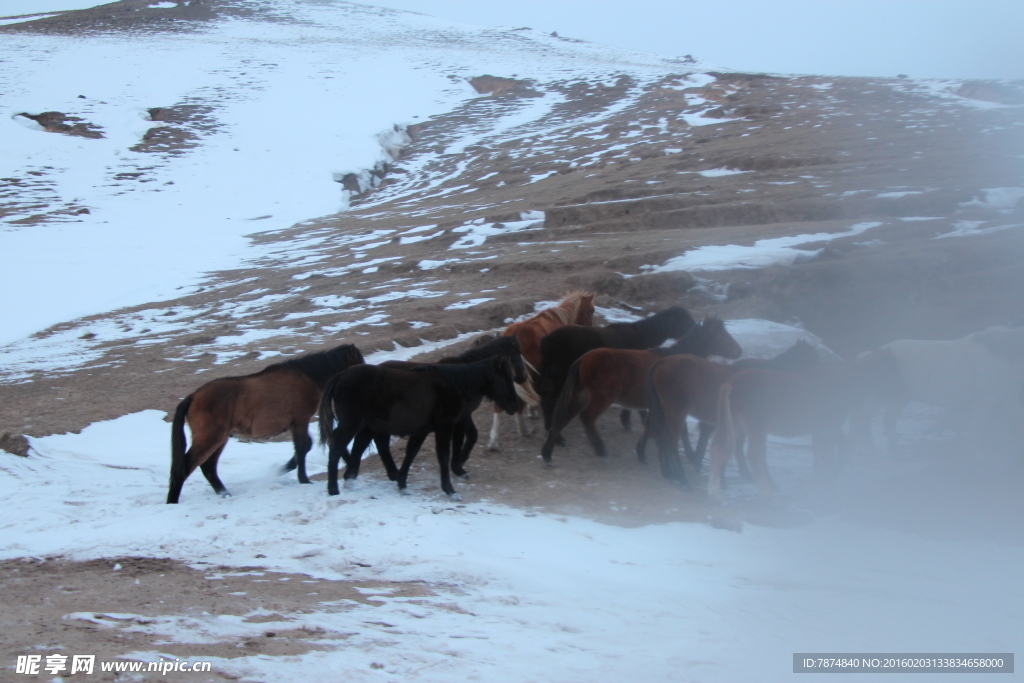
<point x="921" y="38"/>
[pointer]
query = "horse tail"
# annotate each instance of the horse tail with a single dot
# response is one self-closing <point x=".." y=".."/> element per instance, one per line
<point x="526" y="391"/>
<point x="559" y="420"/>
<point x="326" y="411"/>
<point x="179" y="463"/>
<point x="723" y="444"/>
<point x="654" y="426"/>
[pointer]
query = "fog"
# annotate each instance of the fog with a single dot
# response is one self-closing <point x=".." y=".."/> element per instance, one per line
<point x="921" y="38"/>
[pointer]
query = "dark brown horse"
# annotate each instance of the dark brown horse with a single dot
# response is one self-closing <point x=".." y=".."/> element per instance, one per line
<point x="605" y="376"/>
<point x="762" y="402"/>
<point x="369" y="400"/>
<point x="281" y="397"/>
<point x="464" y="434"/>
<point x="576" y="308"/>
<point x="561" y="348"/>
<point x="680" y="386"/>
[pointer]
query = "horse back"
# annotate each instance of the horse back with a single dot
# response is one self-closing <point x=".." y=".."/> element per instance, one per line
<point x="948" y="373"/>
<point x="259" y="405"/>
<point x="689" y="383"/>
<point x="395" y="400"/>
<point x="531" y="332"/>
<point x="617" y="372"/>
<point x="792" y="404"/>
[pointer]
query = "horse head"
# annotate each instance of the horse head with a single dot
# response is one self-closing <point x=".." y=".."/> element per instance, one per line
<point x="514" y="352"/>
<point x="585" y="313"/>
<point x="503" y="388"/>
<point x="720" y="342"/>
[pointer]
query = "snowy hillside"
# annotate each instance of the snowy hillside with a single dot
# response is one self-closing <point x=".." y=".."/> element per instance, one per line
<point x="226" y="184"/>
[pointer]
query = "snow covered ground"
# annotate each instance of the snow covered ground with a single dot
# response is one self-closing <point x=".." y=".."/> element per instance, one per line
<point x="538" y="597"/>
<point x="281" y="124"/>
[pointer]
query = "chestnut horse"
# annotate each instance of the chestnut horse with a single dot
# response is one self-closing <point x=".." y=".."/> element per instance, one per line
<point x="679" y="386"/>
<point x="762" y="402"/>
<point x="281" y="397"/>
<point x="576" y="308"/>
<point x="561" y="348"/>
<point x="605" y="376"/>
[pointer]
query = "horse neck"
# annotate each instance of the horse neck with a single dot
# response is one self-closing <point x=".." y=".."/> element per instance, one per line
<point x="652" y="330"/>
<point x="695" y="342"/>
<point x="562" y="314"/>
<point x="322" y="373"/>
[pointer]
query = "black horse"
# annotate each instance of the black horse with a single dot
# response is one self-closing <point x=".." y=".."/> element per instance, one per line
<point x="464" y="436"/>
<point x="560" y="349"/>
<point x="281" y="397"/>
<point x="372" y="400"/>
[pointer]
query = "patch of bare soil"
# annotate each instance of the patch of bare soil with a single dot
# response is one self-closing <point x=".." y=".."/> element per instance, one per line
<point x="114" y="606"/>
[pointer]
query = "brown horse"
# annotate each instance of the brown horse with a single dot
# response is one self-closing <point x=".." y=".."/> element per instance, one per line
<point x="605" y="376"/>
<point x="680" y="386"/>
<point x="281" y="397"/>
<point x="576" y="308"/>
<point x="762" y="402"/>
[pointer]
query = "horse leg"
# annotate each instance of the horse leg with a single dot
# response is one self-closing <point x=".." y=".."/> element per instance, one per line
<point x="443" y="446"/>
<point x="492" y="442"/>
<point x="525" y="429"/>
<point x="412" y="447"/>
<point x="355" y="457"/>
<point x="668" y="448"/>
<point x="595" y="439"/>
<point x="461" y="451"/>
<point x="641" y="444"/>
<point x="757" y="445"/>
<point x="740" y="455"/>
<point x="626" y="418"/>
<point x="210" y="472"/>
<point x="383" y="444"/>
<point x="705" y="431"/>
<point x="338" y="449"/>
<point x="195" y="456"/>
<point x="577" y="402"/>
<point x="302" y="443"/>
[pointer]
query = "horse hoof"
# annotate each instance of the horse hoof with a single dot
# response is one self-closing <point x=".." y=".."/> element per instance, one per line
<point x="349" y="484"/>
<point x="456" y="497"/>
<point x="225" y="494"/>
<point x="464" y="475"/>
<point x="493" y="448"/>
<point x="404" y="492"/>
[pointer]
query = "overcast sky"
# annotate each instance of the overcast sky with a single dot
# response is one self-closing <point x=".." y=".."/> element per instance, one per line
<point x="921" y="38"/>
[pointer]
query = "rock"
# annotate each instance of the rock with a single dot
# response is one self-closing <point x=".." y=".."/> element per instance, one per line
<point x="15" y="444"/>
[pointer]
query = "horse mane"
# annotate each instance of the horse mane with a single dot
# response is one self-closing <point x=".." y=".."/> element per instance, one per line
<point x="687" y="343"/>
<point x="465" y="377"/>
<point x="655" y="321"/>
<point x="320" y="366"/>
<point x="499" y="346"/>
<point x="567" y="310"/>
<point x="799" y="356"/>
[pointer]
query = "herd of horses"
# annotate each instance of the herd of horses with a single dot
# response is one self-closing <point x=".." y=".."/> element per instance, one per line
<point x="560" y="362"/>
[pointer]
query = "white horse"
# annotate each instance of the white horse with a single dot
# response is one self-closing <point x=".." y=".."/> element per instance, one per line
<point x="981" y="374"/>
